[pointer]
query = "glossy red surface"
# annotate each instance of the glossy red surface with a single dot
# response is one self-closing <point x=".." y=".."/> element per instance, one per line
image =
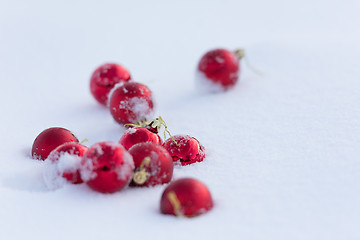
<point x="186" y="197"/>
<point x="132" y="102"/>
<point x="104" y="78"/>
<point x="138" y="135"/>
<point x="160" y="166"/>
<point x="220" y="66"/>
<point x="49" y="139"/>
<point x="188" y="150"/>
<point x="107" y="167"/>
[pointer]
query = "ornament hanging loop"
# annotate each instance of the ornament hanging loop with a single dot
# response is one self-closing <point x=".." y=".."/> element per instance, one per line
<point x="240" y="54"/>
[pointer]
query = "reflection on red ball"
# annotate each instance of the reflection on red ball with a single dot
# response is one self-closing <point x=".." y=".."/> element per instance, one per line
<point x="131" y="102"/>
<point x="186" y="197"/>
<point x="49" y="139"/>
<point x="153" y="164"/>
<point x="185" y="149"/>
<point x="136" y="135"/>
<point x="107" y="167"/>
<point x="104" y="78"/>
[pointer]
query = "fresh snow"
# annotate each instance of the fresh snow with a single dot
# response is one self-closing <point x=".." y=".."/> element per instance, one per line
<point x="282" y="149"/>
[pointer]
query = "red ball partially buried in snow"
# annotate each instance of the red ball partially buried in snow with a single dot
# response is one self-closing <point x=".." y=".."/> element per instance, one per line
<point x="186" y="197"/>
<point x="66" y="159"/>
<point x="49" y="139"/>
<point x="131" y="102"/>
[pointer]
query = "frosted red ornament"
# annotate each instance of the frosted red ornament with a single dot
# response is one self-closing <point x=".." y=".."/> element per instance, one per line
<point x="185" y="149"/>
<point x="66" y="161"/>
<point x="107" y="167"/>
<point x="49" y="139"/>
<point x="153" y="164"/>
<point x="131" y="102"/>
<point x="136" y="135"/>
<point x="186" y="197"/>
<point x="219" y="69"/>
<point x="104" y="78"/>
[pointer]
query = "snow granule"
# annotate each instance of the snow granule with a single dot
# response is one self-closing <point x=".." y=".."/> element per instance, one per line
<point x="130" y="131"/>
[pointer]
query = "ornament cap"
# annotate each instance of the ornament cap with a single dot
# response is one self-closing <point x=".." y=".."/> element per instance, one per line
<point x="240" y="53"/>
<point x="173" y="199"/>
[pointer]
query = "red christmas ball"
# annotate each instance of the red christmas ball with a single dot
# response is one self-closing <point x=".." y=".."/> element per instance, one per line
<point x="136" y="135"/>
<point x="186" y="197"/>
<point x="49" y="139"/>
<point x="65" y="159"/>
<point x="218" y="70"/>
<point x="185" y="149"/>
<point x="131" y="102"/>
<point x="104" y="78"/>
<point x="153" y="164"/>
<point x="107" y="167"/>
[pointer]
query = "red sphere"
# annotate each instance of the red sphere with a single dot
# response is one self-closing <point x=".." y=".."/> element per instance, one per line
<point x="187" y="149"/>
<point x="153" y="164"/>
<point x="66" y="159"/>
<point x="131" y="102"/>
<point x="107" y="167"/>
<point x="186" y="197"/>
<point x="49" y="139"/>
<point x="105" y="78"/>
<point x="218" y="69"/>
<point x="136" y="135"/>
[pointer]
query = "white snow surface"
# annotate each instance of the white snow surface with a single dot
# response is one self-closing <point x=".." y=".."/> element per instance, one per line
<point x="282" y="149"/>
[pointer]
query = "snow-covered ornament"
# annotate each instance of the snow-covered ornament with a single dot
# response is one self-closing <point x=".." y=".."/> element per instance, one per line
<point x="63" y="164"/>
<point x="107" y="167"/>
<point x="131" y="102"/>
<point x="104" y="78"/>
<point x="185" y="149"/>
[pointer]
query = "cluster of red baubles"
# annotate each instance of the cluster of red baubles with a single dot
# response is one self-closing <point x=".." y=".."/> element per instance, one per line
<point x="141" y="157"/>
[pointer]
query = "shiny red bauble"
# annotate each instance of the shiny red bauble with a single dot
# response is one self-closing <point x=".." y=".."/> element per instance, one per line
<point x="107" y="167"/>
<point x="49" y="139"/>
<point x="104" y="78"/>
<point x="185" y="149"/>
<point x="153" y="164"/>
<point x="186" y="197"/>
<point x="136" y="135"/>
<point x="66" y="161"/>
<point x="218" y="69"/>
<point x="131" y="102"/>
